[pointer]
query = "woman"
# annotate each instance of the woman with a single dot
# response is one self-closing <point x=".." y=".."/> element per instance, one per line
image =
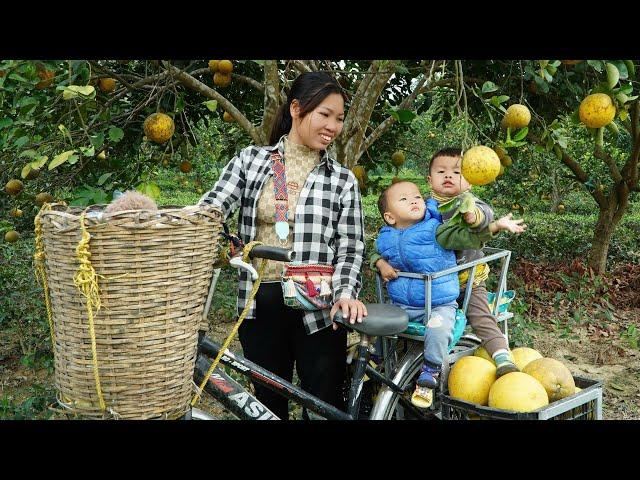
<point x="320" y="219"/>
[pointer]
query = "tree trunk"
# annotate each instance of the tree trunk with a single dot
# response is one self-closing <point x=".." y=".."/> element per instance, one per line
<point x="608" y="220"/>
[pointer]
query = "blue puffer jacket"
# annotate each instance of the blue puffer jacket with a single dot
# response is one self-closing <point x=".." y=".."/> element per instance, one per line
<point x="416" y="250"/>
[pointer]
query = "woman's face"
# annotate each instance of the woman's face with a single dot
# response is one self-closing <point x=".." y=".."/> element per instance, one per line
<point x="319" y="127"/>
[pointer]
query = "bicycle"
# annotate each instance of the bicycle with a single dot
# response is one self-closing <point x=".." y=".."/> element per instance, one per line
<point x="394" y="376"/>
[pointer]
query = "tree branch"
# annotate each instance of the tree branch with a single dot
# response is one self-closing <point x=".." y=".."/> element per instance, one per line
<point x="301" y="66"/>
<point x="271" y="96"/>
<point x="610" y="162"/>
<point x="196" y="85"/>
<point x="248" y="80"/>
<point x="387" y="122"/>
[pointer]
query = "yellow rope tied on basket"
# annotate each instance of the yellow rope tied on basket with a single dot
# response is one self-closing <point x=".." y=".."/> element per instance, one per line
<point x="40" y="272"/>
<point x="87" y="282"/>
<point x="245" y="311"/>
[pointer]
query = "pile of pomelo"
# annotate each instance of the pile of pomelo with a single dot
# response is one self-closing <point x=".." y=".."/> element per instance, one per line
<point x="540" y="381"/>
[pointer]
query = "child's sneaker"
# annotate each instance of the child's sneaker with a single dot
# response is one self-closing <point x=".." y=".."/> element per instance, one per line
<point x="427" y="380"/>
<point x="428" y="376"/>
<point x="504" y="364"/>
<point x="422" y="397"/>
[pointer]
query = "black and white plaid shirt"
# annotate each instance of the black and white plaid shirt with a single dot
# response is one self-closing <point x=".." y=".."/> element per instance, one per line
<point x="328" y="226"/>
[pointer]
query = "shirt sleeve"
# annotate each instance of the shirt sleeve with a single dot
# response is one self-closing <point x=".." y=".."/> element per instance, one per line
<point x="347" y="279"/>
<point x="227" y="191"/>
<point x="485" y="211"/>
<point x="460" y="237"/>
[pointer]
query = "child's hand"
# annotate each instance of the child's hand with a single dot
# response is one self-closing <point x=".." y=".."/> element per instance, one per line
<point x="387" y="272"/>
<point x="470" y="218"/>
<point x="507" y="223"/>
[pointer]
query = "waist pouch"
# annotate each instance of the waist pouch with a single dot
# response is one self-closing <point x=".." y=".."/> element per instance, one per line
<point x="307" y="287"/>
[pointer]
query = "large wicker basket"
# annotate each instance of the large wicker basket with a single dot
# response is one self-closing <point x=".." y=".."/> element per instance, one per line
<point x="153" y="271"/>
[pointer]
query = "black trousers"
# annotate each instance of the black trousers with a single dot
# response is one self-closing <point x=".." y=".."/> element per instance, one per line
<point x="276" y="340"/>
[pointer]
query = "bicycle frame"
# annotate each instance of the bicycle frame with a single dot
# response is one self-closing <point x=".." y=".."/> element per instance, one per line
<point x="241" y="402"/>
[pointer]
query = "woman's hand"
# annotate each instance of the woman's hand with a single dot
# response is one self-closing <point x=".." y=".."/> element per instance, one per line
<point x="353" y="310"/>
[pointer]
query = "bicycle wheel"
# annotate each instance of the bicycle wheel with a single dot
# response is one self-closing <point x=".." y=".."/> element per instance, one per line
<point x="392" y="406"/>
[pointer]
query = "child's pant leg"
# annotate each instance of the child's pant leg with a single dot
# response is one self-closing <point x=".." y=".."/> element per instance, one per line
<point x="439" y="332"/>
<point x="484" y="324"/>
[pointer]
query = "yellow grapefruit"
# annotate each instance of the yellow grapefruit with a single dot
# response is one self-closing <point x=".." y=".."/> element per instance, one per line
<point x="11" y="236"/>
<point x="517" y="116"/>
<point x="554" y="376"/>
<point x="480" y="165"/>
<point x="523" y="355"/>
<point x="517" y="392"/>
<point x="482" y="353"/>
<point x="397" y="158"/>
<point x="14" y="187"/>
<point x="471" y="378"/>
<point x="107" y="84"/>
<point x="158" y="127"/>
<point x="597" y="110"/>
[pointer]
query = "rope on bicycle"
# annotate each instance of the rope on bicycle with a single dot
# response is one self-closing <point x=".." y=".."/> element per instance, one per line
<point x="40" y="271"/>
<point x="245" y="311"/>
<point x="87" y="282"/>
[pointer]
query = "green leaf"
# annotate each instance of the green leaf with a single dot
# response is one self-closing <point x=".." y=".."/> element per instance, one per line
<point x="60" y="159"/>
<point x="211" y="105"/>
<point x="5" y="122"/>
<point x="467" y="202"/>
<point x="73" y="159"/>
<point x="39" y="163"/>
<point x="179" y="104"/>
<point x="406" y="116"/>
<point x="575" y="117"/>
<point x="596" y="64"/>
<point x="626" y="89"/>
<point x="28" y="153"/>
<point x="613" y="75"/>
<point x="622" y="98"/>
<point x="73" y="91"/>
<point x="622" y="68"/>
<point x="522" y="133"/>
<point x="116" y="134"/>
<point x="547" y="76"/>
<point x="402" y="69"/>
<point x="21" y="142"/>
<point x="25" y="170"/>
<point x="488" y="87"/>
<point x="556" y="63"/>
<point x="65" y="132"/>
<point x="97" y="140"/>
<point x="103" y="178"/>
<point x="631" y="68"/>
<point x="87" y="151"/>
<point x="150" y="189"/>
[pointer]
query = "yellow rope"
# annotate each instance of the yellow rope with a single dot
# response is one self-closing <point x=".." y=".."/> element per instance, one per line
<point x="87" y="282"/>
<point x="41" y="276"/>
<point x="225" y="345"/>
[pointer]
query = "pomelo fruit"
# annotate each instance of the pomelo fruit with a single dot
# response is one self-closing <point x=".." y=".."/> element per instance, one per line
<point x="554" y="376"/>
<point x="523" y="355"/>
<point x="471" y="378"/>
<point x="517" y="392"/>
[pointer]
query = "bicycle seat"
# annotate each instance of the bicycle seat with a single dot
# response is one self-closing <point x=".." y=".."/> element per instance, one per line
<point x="381" y="320"/>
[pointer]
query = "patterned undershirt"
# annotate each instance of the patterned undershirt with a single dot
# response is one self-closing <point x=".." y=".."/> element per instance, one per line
<point x="299" y="161"/>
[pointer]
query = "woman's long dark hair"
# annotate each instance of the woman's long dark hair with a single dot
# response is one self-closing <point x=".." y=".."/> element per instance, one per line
<point x="310" y="89"/>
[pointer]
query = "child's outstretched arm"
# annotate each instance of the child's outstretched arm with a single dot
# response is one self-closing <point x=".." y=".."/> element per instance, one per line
<point x="507" y="223"/>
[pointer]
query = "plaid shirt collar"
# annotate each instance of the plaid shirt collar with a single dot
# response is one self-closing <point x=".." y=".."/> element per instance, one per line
<point x="325" y="158"/>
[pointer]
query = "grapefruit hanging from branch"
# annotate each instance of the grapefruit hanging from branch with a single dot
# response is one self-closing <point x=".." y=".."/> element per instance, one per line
<point x="480" y="165"/>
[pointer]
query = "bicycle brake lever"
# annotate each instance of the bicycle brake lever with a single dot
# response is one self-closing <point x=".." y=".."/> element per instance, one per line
<point x="238" y="263"/>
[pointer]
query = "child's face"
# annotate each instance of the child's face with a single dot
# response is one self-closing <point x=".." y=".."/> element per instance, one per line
<point x="445" y="178"/>
<point x="405" y="205"/>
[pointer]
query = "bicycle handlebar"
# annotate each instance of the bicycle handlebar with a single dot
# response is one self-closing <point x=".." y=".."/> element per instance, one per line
<point x="272" y="253"/>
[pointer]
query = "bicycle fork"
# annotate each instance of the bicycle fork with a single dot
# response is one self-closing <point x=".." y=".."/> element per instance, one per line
<point x="362" y="367"/>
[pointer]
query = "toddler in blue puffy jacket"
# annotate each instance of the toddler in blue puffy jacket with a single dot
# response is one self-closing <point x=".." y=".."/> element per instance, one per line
<point x="408" y="243"/>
